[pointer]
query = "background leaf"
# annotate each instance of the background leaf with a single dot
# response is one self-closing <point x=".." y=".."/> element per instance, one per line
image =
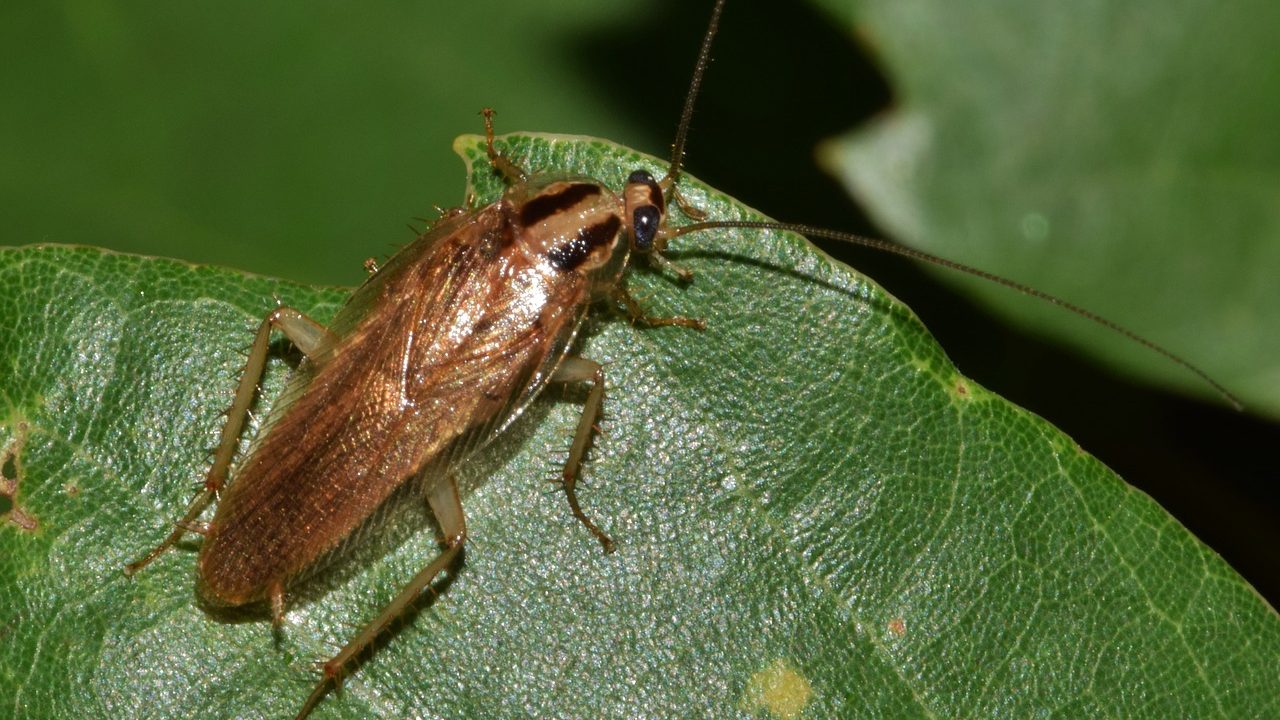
<point x="1118" y="154"/>
<point x="1122" y="154"/>
<point x="807" y="491"/>
<point x="276" y="139"/>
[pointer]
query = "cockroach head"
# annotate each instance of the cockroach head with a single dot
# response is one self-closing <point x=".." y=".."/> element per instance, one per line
<point x="645" y="208"/>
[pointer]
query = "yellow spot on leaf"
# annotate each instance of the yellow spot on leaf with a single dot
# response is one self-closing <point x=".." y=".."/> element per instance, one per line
<point x="779" y="689"/>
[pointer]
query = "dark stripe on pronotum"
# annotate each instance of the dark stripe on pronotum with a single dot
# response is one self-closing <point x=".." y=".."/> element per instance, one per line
<point x="544" y="206"/>
<point x="571" y="254"/>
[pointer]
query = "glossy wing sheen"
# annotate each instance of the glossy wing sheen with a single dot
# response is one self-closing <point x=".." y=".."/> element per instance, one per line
<point x="437" y="348"/>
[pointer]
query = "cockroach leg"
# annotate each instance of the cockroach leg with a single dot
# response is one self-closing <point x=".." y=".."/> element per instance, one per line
<point x="446" y="504"/>
<point x="635" y="313"/>
<point x="446" y="214"/>
<point x="305" y="333"/>
<point x="198" y="528"/>
<point x="576" y="369"/>
<point x="510" y="171"/>
<point x="665" y="265"/>
<point x="691" y="211"/>
<point x="276" y="593"/>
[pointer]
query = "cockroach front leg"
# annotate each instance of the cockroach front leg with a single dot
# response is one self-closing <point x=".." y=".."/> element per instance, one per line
<point x="636" y="314"/>
<point x="510" y="171"/>
<point x="691" y="211"/>
<point x="446" y="504"/>
<point x="576" y="369"/>
<point x="308" y="336"/>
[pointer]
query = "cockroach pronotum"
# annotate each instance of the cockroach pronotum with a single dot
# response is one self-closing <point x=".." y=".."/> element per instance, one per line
<point x="435" y="354"/>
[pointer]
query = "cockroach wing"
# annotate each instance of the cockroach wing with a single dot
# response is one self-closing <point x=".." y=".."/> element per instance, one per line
<point x="429" y="358"/>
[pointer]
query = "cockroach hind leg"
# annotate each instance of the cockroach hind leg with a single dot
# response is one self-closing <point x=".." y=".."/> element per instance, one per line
<point x="306" y="334"/>
<point x="637" y="315"/>
<point x="309" y="336"/>
<point x="446" y="504"/>
<point x="576" y="369"/>
<point x="188" y="523"/>
<point x="511" y="172"/>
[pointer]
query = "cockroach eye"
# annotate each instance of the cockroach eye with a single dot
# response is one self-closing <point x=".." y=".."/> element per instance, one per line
<point x="644" y="226"/>
<point x="640" y="176"/>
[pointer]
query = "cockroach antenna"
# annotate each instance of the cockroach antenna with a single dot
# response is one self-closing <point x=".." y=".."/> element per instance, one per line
<point x="677" y="161"/>
<point x="691" y="97"/>
<point x="902" y="251"/>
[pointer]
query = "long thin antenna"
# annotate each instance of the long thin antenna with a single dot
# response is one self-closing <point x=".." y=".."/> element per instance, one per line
<point x="894" y="249"/>
<point x="695" y="84"/>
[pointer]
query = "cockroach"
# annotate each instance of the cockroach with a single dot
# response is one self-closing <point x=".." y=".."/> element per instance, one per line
<point x="433" y="356"/>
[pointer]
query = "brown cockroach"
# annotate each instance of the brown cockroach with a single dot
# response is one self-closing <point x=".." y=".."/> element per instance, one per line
<point x="433" y="356"/>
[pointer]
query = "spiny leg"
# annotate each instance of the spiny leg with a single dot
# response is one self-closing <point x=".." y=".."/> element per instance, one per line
<point x="447" y="506"/>
<point x="510" y="171"/>
<point x="576" y="369"/>
<point x="635" y="313"/>
<point x="308" y="336"/>
<point x="444" y="215"/>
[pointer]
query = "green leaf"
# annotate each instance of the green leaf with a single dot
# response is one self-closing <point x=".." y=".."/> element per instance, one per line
<point x="813" y="509"/>
<point x="1123" y="155"/>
